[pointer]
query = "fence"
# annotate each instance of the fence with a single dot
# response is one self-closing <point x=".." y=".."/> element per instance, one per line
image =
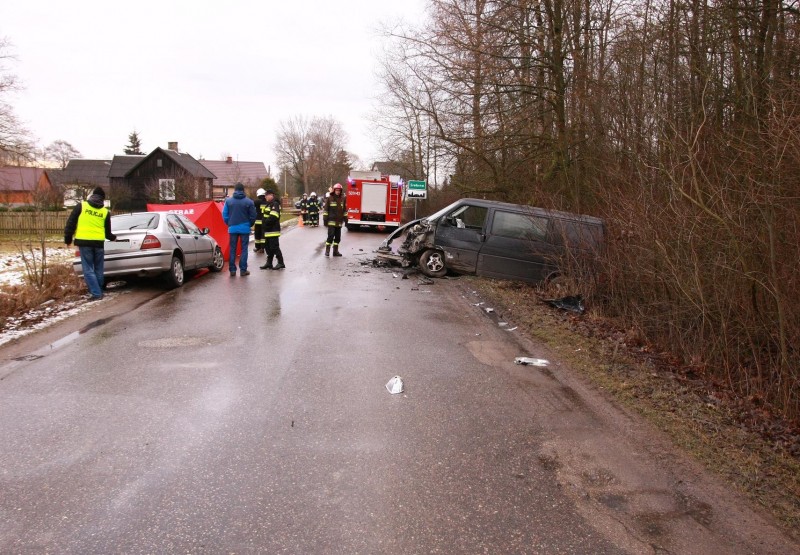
<point x="31" y="223"/>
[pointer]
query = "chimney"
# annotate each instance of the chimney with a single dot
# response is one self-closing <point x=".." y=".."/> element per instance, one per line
<point x="229" y="160"/>
<point x="172" y="146"/>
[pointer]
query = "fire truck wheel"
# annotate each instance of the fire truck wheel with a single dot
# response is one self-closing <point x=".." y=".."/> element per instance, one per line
<point x="350" y="227"/>
<point x="432" y="263"/>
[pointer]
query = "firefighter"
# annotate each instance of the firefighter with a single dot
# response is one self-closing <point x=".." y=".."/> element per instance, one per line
<point x="334" y="217"/>
<point x="304" y="208"/>
<point x="313" y="209"/>
<point x="258" y="227"/>
<point x="272" y="231"/>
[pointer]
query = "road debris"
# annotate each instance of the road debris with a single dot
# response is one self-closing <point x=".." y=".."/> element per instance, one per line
<point x="425" y="281"/>
<point x="525" y="361"/>
<point x="488" y="310"/>
<point x="512" y="329"/>
<point x="571" y="303"/>
<point x="395" y="385"/>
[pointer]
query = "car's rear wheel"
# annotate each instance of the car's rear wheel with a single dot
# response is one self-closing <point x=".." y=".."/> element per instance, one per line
<point x="432" y="263"/>
<point x="218" y="261"/>
<point x="174" y="276"/>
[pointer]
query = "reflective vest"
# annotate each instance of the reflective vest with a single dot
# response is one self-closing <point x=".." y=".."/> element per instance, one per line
<point x="91" y="223"/>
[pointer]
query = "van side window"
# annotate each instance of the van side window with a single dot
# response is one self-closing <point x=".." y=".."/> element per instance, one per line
<point x="577" y="234"/>
<point x="519" y="226"/>
<point x="468" y="217"/>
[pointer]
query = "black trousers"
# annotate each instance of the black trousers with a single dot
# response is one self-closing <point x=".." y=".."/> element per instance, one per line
<point x="334" y="235"/>
<point x="273" y="249"/>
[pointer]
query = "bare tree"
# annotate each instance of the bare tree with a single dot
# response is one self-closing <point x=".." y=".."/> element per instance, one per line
<point x="311" y="150"/>
<point x="16" y="144"/>
<point x="61" y="152"/>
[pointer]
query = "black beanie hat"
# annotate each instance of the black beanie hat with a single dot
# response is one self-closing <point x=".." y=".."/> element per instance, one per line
<point x="99" y="192"/>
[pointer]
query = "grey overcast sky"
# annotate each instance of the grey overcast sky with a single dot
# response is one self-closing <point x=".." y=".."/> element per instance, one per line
<point x="217" y="77"/>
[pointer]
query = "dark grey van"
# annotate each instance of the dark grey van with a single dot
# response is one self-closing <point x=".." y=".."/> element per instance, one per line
<point x="495" y="239"/>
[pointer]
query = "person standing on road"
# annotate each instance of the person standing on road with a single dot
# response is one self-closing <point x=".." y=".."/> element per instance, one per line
<point x="258" y="228"/>
<point x="272" y="231"/>
<point x="313" y="209"/>
<point x="304" y="208"/>
<point x="334" y="217"/>
<point x="239" y="213"/>
<point x="89" y="225"/>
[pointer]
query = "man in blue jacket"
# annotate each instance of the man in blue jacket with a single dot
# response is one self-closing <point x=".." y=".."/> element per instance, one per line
<point x="239" y="214"/>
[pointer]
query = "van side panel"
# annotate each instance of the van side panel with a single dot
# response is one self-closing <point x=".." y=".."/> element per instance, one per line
<point x="516" y="248"/>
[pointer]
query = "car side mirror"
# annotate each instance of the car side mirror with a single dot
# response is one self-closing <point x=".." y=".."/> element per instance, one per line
<point x="204" y="231"/>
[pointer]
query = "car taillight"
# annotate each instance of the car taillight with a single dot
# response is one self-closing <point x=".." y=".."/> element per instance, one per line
<point x="151" y="242"/>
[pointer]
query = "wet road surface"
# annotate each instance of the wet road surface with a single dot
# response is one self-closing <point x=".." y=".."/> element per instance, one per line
<point x="249" y="415"/>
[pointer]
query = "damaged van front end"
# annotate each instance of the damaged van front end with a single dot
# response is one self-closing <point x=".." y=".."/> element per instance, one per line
<point x="417" y="238"/>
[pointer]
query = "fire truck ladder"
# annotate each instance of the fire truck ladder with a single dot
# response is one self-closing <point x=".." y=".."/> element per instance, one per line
<point x="394" y="199"/>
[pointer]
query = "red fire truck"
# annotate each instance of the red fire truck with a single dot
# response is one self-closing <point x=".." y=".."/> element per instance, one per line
<point x="374" y="200"/>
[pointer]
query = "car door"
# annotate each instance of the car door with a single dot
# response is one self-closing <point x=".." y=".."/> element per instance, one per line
<point x="204" y="245"/>
<point x="184" y="239"/>
<point x="516" y="247"/>
<point x="460" y="235"/>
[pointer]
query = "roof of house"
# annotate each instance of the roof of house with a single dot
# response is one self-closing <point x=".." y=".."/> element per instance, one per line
<point x="189" y="163"/>
<point x="392" y="167"/>
<point x="229" y="173"/>
<point x="18" y="178"/>
<point x="84" y="172"/>
<point x="121" y="165"/>
<point x="127" y="164"/>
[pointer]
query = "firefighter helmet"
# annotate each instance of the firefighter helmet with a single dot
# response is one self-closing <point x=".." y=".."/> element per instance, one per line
<point x="337" y="186"/>
<point x="313" y="194"/>
<point x="261" y="193"/>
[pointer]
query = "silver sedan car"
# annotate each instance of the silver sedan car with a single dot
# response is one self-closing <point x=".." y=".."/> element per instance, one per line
<point x="157" y="243"/>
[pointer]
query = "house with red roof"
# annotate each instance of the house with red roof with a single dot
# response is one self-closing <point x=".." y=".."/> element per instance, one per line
<point x="21" y="185"/>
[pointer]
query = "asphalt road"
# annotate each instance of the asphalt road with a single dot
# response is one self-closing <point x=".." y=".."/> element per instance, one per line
<point x="250" y="415"/>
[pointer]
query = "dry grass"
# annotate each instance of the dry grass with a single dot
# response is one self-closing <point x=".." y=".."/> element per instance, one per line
<point x="60" y="284"/>
<point x="752" y="450"/>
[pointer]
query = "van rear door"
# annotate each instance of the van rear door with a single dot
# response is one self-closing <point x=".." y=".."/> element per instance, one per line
<point x="516" y="247"/>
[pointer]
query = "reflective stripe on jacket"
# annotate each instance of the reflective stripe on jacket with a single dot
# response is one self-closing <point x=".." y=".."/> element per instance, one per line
<point x="272" y="218"/>
<point x="91" y="223"/>
<point x="335" y="210"/>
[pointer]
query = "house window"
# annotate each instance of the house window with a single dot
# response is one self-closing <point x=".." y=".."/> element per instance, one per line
<point x="166" y="189"/>
<point x="159" y="162"/>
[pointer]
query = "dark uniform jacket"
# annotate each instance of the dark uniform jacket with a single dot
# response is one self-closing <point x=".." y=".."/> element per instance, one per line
<point x="335" y="210"/>
<point x="272" y="218"/>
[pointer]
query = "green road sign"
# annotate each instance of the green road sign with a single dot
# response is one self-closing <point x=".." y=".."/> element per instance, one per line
<point x="417" y="189"/>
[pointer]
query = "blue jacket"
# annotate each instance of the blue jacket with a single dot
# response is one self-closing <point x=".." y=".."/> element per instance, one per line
<point x="239" y="213"/>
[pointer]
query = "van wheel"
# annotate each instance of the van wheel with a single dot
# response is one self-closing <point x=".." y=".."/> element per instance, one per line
<point x="432" y="263"/>
<point x="174" y="276"/>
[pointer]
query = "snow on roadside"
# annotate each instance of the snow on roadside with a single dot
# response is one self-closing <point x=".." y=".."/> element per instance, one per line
<point x="47" y="314"/>
<point x="13" y="272"/>
<point x="12" y="264"/>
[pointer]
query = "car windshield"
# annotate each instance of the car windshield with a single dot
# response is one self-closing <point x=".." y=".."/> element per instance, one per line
<point x="125" y="222"/>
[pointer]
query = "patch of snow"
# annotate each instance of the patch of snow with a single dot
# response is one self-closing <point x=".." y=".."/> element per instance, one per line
<point x="46" y="316"/>
<point x="12" y="264"/>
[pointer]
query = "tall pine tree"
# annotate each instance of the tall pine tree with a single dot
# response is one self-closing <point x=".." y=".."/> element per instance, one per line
<point x="134" y="144"/>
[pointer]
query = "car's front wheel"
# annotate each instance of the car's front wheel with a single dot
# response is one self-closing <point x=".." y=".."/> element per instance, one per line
<point x="174" y="276"/>
<point x="218" y="262"/>
<point x="432" y="263"/>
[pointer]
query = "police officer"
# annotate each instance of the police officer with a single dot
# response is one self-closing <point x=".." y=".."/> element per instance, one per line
<point x="334" y="217"/>
<point x="89" y="225"/>
<point x="272" y="231"/>
<point x="313" y="209"/>
<point x="258" y="229"/>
